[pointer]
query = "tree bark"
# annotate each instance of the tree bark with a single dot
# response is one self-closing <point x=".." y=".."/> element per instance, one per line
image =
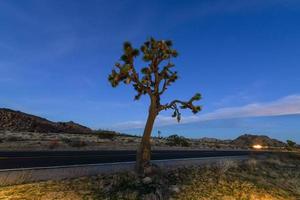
<point x="144" y="150"/>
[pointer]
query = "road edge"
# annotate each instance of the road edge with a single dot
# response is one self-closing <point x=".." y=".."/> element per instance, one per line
<point x="29" y="175"/>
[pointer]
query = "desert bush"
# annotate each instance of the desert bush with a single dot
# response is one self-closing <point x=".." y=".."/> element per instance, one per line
<point x="274" y="161"/>
<point x="175" y="140"/>
<point x="13" y="139"/>
<point x="223" y="166"/>
<point x="53" y="144"/>
<point x="251" y="164"/>
<point x="291" y="143"/>
<point x="128" y="135"/>
<point x="130" y="140"/>
<point x="77" y="143"/>
<point x="66" y="140"/>
<point x="128" y="186"/>
<point x="103" y="134"/>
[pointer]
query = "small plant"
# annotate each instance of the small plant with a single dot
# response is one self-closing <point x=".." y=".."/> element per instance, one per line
<point x="222" y="166"/>
<point x="103" y="134"/>
<point x="13" y="139"/>
<point x="290" y="143"/>
<point x="175" y="140"/>
<point x="66" y="140"/>
<point x="130" y="140"/>
<point x="53" y="144"/>
<point x="77" y="143"/>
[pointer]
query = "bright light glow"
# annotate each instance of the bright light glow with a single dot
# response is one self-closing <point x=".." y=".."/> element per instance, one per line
<point x="257" y="146"/>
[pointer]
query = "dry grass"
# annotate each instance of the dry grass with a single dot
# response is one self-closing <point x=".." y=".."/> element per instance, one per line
<point x="275" y="178"/>
<point x="63" y="141"/>
<point x="43" y="191"/>
<point x="28" y="141"/>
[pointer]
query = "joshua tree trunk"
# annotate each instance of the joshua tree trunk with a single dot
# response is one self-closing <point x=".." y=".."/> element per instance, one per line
<point x="144" y="150"/>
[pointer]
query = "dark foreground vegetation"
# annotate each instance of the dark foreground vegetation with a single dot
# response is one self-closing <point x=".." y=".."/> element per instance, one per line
<point x="276" y="177"/>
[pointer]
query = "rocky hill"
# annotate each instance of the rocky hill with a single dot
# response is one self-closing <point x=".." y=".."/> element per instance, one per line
<point x="213" y="140"/>
<point x="17" y="121"/>
<point x="248" y="140"/>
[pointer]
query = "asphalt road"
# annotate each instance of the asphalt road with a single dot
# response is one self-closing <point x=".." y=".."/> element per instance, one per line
<point x="12" y="160"/>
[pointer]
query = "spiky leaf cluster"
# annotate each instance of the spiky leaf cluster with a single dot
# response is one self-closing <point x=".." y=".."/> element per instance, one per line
<point x="124" y="70"/>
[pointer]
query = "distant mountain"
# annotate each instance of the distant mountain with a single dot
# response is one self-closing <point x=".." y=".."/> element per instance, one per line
<point x="212" y="140"/>
<point x="11" y="120"/>
<point x="248" y="140"/>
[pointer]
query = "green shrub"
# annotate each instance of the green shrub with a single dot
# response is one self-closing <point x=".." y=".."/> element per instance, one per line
<point x="74" y="142"/>
<point x="66" y="140"/>
<point x="77" y="143"/>
<point x="175" y="140"/>
<point x="130" y="140"/>
<point x="103" y="134"/>
<point x="13" y="139"/>
<point x="290" y="143"/>
<point x="53" y="144"/>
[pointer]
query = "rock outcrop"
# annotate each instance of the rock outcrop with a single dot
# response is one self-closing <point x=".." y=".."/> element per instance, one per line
<point x="248" y="140"/>
<point x="17" y="121"/>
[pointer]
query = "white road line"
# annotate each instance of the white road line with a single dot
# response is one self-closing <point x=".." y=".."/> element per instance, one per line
<point x="120" y="163"/>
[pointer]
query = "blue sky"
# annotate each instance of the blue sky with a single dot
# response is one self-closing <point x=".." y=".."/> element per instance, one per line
<point x="243" y="56"/>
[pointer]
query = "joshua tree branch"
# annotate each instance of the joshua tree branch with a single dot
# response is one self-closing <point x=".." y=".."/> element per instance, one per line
<point x="183" y="104"/>
<point x="135" y="78"/>
<point x="164" y="87"/>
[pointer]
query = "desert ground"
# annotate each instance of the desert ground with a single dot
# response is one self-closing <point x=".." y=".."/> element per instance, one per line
<point x="23" y="132"/>
<point x="273" y="178"/>
<point x="67" y="141"/>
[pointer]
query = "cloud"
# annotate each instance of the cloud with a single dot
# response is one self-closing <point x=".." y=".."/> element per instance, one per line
<point x="284" y="106"/>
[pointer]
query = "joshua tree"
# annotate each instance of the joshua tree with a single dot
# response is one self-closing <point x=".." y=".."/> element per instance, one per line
<point x="154" y="79"/>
